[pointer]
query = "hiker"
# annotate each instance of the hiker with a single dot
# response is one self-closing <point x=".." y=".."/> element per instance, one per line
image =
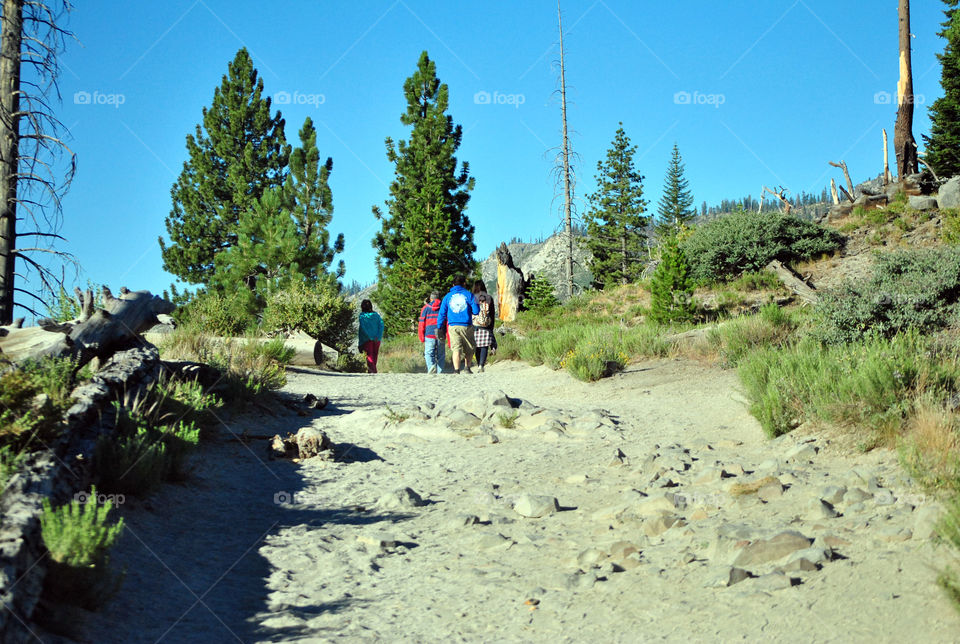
<point x="483" y="337"/>
<point x="456" y="312"/>
<point x="434" y="352"/>
<point x="371" y="333"/>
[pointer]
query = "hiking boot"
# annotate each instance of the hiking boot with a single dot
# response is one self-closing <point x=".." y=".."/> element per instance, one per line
<point x="481" y="369"/>
<point x="432" y="370"/>
<point x="468" y="370"/>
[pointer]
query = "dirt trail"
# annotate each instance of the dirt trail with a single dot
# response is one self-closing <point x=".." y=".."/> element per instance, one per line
<point x="644" y="542"/>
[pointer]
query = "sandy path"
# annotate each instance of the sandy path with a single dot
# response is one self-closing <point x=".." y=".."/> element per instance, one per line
<point x="336" y="559"/>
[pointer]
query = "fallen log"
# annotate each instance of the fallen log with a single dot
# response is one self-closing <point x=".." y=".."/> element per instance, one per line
<point x="97" y="334"/>
<point x="793" y="282"/>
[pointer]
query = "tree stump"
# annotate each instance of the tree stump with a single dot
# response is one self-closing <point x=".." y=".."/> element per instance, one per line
<point x="312" y="442"/>
<point x="510" y="285"/>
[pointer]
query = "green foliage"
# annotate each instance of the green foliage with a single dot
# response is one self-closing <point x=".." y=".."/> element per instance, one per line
<point x="217" y="313"/>
<point x="948" y="530"/>
<point x="675" y="209"/>
<point x="9" y="463"/>
<point x="950" y="225"/>
<point x="773" y="327"/>
<point x="237" y="153"/>
<point x="910" y="289"/>
<point x="79" y="537"/>
<point x="745" y="241"/>
<point x="426" y="237"/>
<point x="133" y="463"/>
<point x="29" y="420"/>
<point x="508" y="421"/>
<point x="943" y="144"/>
<point x="671" y="289"/>
<point x="870" y="384"/>
<point x="757" y="281"/>
<point x="318" y="310"/>
<point x="400" y="354"/>
<point x="594" y="359"/>
<point x="540" y="296"/>
<point x="616" y="225"/>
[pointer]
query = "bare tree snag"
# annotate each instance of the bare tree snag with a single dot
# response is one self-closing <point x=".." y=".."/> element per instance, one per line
<point x="119" y="323"/>
<point x="793" y="282"/>
<point x="846" y="175"/>
<point x="929" y="167"/>
<point x="886" y="160"/>
<point x="780" y="193"/>
<point x="565" y="153"/>
<point x="904" y="144"/>
<point x="833" y="192"/>
<point x="846" y="194"/>
<point x="510" y="285"/>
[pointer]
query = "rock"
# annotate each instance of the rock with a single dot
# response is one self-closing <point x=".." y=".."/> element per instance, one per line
<point x="833" y="494"/>
<point x="622" y="549"/>
<point x="895" y="533"/>
<point x="279" y="448"/>
<point x="311" y="442"/>
<point x="840" y="210"/>
<point x="464" y="520"/>
<point x="533" y="506"/>
<point x="922" y="203"/>
<point x="663" y="503"/>
<point x="709" y="475"/>
<point x="856" y="495"/>
<point x="656" y="526"/>
<point x="581" y="580"/>
<point x="830" y="541"/>
<point x="590" y="557"/>
<point x="619" y="458"/>
<point x="734" y="469"/>
<point x="378" y="540"/>
<point x="772" y="549"/>
<point x="807" y="560"/>
<point x="400" y="499"/>
<point x="801" y="454"/>
<point x="770" y="465"/>
<point x="770" y="582"/>
<point x="820" y="509"/>
<point x="727" y="576"/>
<point x="699" y="514"/>
<point x="949" y="195"/>
<point x="925" y="521"/>
<point x="770" y="492"/>
<point x="493" y="541"/>
<point x="884" y="497"/>
<point x="460" y="419"/>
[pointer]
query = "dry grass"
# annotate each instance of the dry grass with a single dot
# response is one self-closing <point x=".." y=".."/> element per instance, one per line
<point x="930" y="447"/>
<point x="742" y="489"/>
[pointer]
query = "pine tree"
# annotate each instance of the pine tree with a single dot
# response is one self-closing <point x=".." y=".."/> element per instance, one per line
<point x="943" y="144"/>
<point x="540" y="295"/>
<point x="426" y="239"/>
<point x="237" y="154"/>
<point x="671" y="289"/>
<point x="311" y="203"/>
<point x="674" y="208"/>
<point x="616" y="225"/>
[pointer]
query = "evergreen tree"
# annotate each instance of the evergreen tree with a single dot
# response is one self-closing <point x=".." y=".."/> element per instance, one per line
<point x="943" y="144"/>
<point x="426" y="239"/>
<point x="671" y="288"/>
<point x="540" y="295"/>
<point x="675" y="208"/>
<point x="311" y="203"/>
<point x="615" y="222"/>
<point x="237" y="154"/>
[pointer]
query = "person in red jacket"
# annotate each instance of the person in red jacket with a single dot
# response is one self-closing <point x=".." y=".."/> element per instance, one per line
<point x="433" y="350"/>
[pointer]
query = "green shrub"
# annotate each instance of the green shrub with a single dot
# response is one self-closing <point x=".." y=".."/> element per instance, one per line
<point x="591" y="361"/>
<point x="910" y="289"/>
<point x="220" y="314"/>
<point x="318" y="310"/>
<point x="29" y="420"/>
<point x="131" y="464"/>
<point x="671" y="289"/>
<point x="540" y="295"/>
<point x="9" y="464"/>
<point x="179" y="442"/>
<point x="950" y="225"/>
<point x="746" y="241"/>
<point x="948" y="529"/>
<point x="757" y="281"/>
<point x="772" y="327"/>
<point x="79" y="537"/>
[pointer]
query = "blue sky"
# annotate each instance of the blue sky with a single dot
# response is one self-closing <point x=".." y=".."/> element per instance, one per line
<point x="754" y="93"/>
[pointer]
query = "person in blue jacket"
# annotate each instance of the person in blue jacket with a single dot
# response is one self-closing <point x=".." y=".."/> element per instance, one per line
<point x="370" y="335"/>
<point x="456" y="312"/>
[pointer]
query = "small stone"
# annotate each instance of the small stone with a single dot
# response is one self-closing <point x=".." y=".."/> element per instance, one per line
<point x="533" y="506"/>
<point x="803" y="453"/>
<point x="709" y="475"/>
<point x="401" y="499"/>
<point x="577" y="478"/>
<point x="464" y="520"/>
<point x="378" y="540"/>
<point x="772" y="549"/>
<point x="581" y="580"/>
<point x="770" y="465"/>
<point x="830" y="541"/>
<point x="734" y="469"/>
<point x="856" y="508"/>
<point x="590" y="556"/>
<point x="820" y="509"/>
<point x="884" y="497"/>
<point x="807" y="560"/>
<point x="493" y="439"/>
<point x="770" y="582"/>
<point x="656" y="504"/>
<point x="856" y="495"/>
<point x="494" y="541"/>
<point x="699" y="515"/>
<point x="727" y="576"/>
<point x="687" y="558"/>
<point x="833" y="494"/>
<point x="622" y="549"/>
<point x="925" y="521"/>
<point x="656" y="526"/>
<point x="895" y="534"/>
<point x="631" y="561"/>
<point x="770" y="492"/>
<point x="619" y="458"/>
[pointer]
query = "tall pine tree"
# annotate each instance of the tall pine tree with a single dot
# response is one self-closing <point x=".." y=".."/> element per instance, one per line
<point x="425" y="238"/>
<point x="615" y="221"/>
<point x="675" y="206"/>
<point x="237" y="154"/>
<point x="943" y="144"/>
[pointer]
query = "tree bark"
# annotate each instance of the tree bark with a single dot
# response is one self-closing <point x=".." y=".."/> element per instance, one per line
<point x="567" y="190"/>
<point x="904" y="144"/>
<point x="886" y="159"/>
<point x="10" y="48"/>
<point x="802" y="290"/>
<point x="510" y="285"/>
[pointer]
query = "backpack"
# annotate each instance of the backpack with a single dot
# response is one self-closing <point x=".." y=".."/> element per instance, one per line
<point x="482" y="319"/>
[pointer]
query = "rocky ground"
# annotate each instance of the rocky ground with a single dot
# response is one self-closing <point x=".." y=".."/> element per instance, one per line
<point x="522" y="505"/>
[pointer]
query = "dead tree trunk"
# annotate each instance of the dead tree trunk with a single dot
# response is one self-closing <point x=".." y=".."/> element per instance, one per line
<point x="846" y="175"/>
<point x="886" y="160"/>
<point x="565" y="153"/>
<point x="800" y="288"/>
<point x="510" y="285"/>
<point x="10" y="47"/>
<point x="904" y="144"/>
<point x="833" y="191"/>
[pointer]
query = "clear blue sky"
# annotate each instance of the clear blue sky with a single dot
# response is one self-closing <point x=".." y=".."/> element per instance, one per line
<point x="777" y="89"/>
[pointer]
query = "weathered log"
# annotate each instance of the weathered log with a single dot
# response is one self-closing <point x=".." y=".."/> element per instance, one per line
<point x="106" y="330"/>
<point x="792" y="281"/>
<point x="833" y="192"/>
<point x="846" y="175"/>
<point x="311" y="442"/>
<point x="510" y="285"/>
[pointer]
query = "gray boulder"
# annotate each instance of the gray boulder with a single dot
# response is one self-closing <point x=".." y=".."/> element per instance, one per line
<point x="922" y="203"/>
<point x="949" y="195"/>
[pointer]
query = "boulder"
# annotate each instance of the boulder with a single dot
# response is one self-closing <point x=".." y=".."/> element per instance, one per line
<point x="949" y="195"/>
<point x="533" y="506"/>
<point x="919" y="202"/>
<point x="776" y="547"/>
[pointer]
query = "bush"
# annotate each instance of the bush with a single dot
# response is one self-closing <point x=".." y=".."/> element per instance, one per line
<point x="772" y="327"/>
<point x="33" y="397"/>
<point x="950" y="225"/>
<point x="592" y="361"/>
<point x="671" y="289"/>
<point x="318" y="310"/>
<point x="131" y="464"/>
<point x="911" y="289"/>
<point x="540" y="295"/>
<point x="747" y="241"/>
<point x="9" y="464"/>
<point x="79" y="537"/>
<point x="220" y="314"/>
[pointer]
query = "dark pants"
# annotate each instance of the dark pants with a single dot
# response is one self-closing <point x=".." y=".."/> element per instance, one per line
<point x="480" y="353"/>
<point x="372" y="349"/>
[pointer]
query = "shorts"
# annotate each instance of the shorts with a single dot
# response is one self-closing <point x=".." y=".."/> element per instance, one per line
<point x="461" y="339"/>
